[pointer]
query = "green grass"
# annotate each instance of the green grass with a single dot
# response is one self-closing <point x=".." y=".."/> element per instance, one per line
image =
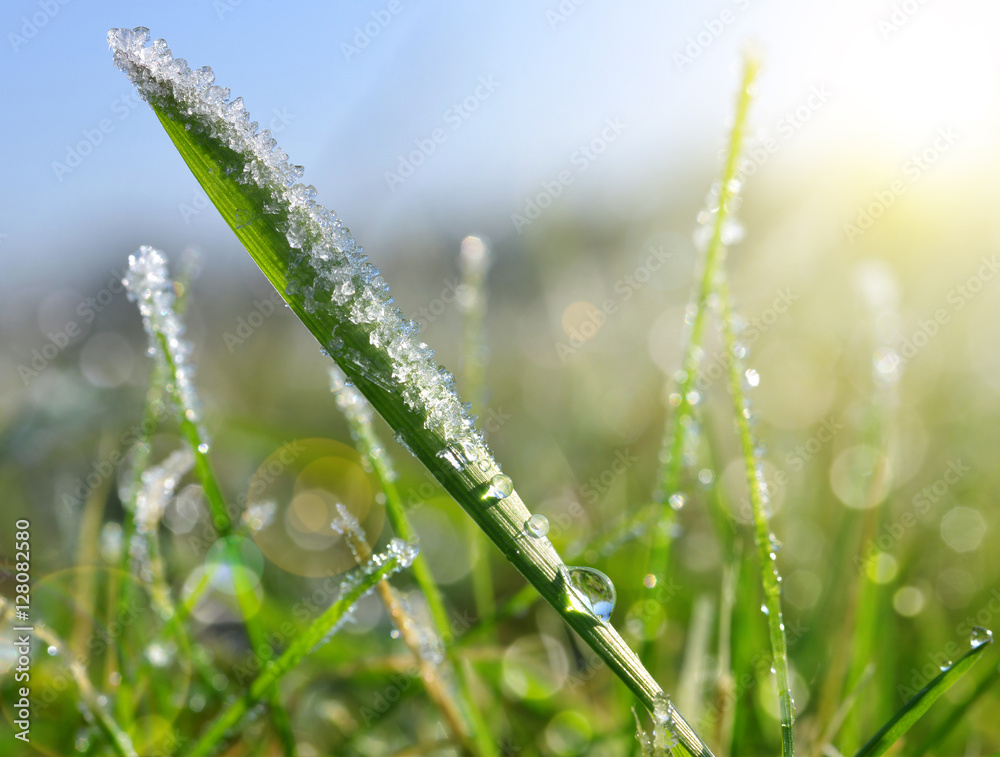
<point x="216" y="650"/>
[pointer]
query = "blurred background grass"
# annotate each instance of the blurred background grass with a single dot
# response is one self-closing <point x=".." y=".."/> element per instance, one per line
<point x="579" y="431"/>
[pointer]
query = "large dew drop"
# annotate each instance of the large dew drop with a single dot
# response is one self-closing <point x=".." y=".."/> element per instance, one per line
<point x="501" y="487"/>
<point x="980" y="636"/>
<point x="591" y="591"/>
<point x="536" y="526"/>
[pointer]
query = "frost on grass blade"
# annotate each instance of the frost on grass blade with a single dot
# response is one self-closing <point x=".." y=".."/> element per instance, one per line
<point x="149" y="285"/>
<point x="312" y="259"/>
<point x="326" y="269"/>
<point x="158" y="485"/>
<point x="359" y="417"/>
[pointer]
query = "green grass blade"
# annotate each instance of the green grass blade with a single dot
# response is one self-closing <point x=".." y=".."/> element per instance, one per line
<point x="766" y="554"/>
<point x="398" y="556"/>
<point x="474" y="263"/>
<point x="957" y="715"/>
<point x="314" y="263"/>
<point x="357" y="411"/>
<point x="911" y="712"/>
<point x="711" y="262"/>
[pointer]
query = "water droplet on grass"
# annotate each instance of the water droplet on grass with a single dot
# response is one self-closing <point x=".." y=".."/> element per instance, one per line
<point x="591" y="591"/>
<point x="52" y="651"/>
<point x="980" y="636"/>
<point x="501" y="487"/>
<point x="537" y="526"/>
<point x="676" y="501"/>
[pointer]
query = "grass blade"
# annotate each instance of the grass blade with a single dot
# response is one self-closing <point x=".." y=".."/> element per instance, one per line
<point x="359" y="419"/>
<point x="957" y="715"/>
<point x="911" y="712"/>
<point x="368" y="576"/>
<point x="313" y="261"/>
<point x="711" y="262"/>
<point x="475" y="262"/>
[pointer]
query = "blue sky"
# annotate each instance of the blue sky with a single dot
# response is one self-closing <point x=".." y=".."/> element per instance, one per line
<point x="558" y="72"/>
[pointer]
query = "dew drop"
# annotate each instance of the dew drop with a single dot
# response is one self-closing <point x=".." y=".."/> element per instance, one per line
<point x="501" y="487"/>
<point x="52" y="651"/>
<point x="158" y="655"/>
<point x="980" y="636"/>
<point x="946" y="666"/>
<point x="706" y="476"/>
<point x="676" y="501"/>
<point x="394" y="633"/>
<point x="591" y="591"/>
<point x="82" y="742"/>
<point x="649" y="581"/>
<point x="537" y="526"/>
<point x="753" y="378"/>
<point x="203" y="447"/>
<point x="763" y="609"/>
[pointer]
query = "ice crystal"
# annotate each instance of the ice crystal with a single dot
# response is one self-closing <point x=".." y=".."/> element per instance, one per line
<point x="158" y="486"/>
<point x="359" y="414"/>
<point x="149" y="285"/>
<point x="327" y="269"/>
<point x="259" y="516"/>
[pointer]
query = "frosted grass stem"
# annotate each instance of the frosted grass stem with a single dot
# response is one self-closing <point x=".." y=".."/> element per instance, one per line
<point x="358" y="413"/>
<point x="312" y="259"/>
<point x="149" y="285"/>
<point x="120" y="741"/>
<point x="324" y="626"/>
